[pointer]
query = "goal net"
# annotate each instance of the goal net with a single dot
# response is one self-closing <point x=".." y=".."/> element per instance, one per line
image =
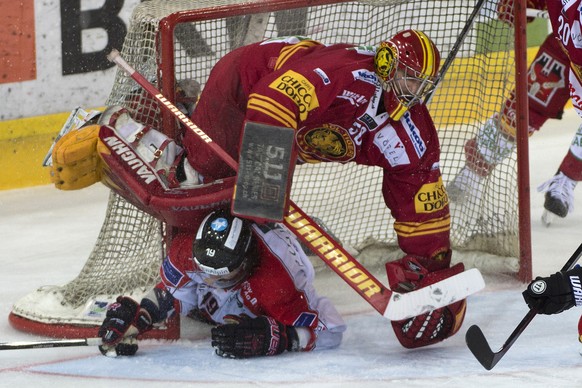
<point x="173" y="43"/>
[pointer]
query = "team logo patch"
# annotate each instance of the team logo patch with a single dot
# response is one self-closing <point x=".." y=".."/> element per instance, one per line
<point x="538" y="287"/>
<point x="546" y="77"/>
<point x="305" y="320"/>
<point x="219" y="224"/>
<point x="328" y="142"/>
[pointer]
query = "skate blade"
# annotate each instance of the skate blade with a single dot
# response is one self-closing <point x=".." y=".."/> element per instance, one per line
<point x="547" y="218"/>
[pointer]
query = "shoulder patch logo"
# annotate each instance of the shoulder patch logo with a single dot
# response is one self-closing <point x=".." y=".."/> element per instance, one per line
<point x="414" y="134"/>
<point x="299" y="90"/>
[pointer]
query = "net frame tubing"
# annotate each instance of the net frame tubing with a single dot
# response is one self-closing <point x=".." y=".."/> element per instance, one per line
<point x="522" y="130"/>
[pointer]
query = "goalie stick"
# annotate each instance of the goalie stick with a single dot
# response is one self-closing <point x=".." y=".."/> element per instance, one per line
<point x="56" y="343"/>
<point x="478" y="344"/>
<point x="391" y="305"/>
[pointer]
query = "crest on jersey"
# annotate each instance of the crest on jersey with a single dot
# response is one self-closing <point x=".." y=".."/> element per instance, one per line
<point x="546" y="77"/>
<point x="328" y="142"/>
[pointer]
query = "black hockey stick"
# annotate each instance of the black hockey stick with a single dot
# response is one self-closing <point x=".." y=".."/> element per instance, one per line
<point x="478" y="344"/>
<point x="453" y="53"/>
<point x="55" y="343"/>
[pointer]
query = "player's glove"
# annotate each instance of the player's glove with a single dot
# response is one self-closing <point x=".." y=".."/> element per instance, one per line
<point x="76" y="163"/>
<point x="411" y="273"/>
<point x="555" y="293"/>
<point x="125" y="319"/>
<point x="254" y="337"/>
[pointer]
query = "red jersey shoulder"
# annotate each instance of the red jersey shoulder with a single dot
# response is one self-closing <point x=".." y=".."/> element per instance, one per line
<point x="271" y="290"/>
<point x="566" y="20"/>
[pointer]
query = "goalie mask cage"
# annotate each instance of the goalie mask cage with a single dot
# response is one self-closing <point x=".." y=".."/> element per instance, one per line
<point x="171" y="42"/>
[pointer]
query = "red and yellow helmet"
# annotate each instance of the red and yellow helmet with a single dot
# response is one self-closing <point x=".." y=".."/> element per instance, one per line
<point x="407" y="65"/>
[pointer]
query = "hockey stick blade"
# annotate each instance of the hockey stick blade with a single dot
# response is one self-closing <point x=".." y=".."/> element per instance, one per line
<point x="480" y="348"/>
<point x="434" y="296"/>
<point x="56" y="343"/>
<point x="477" y="343"/>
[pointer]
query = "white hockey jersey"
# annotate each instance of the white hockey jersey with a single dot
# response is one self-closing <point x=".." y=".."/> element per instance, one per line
<point x="281" y="286"/>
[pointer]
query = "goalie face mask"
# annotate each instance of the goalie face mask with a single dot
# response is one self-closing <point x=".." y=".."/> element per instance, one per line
<point x="407" y="66"/>
<point x="220" y="249"/>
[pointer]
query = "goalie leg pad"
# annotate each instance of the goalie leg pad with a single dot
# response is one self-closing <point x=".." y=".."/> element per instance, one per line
<point x="76" y="164"/>
<point x="410" y="273"/>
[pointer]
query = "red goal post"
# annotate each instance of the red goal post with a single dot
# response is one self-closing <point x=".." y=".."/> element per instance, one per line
<point x="176" y="43"/>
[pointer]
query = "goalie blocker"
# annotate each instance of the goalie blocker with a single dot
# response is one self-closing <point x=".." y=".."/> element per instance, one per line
<point x="266" y="165"/>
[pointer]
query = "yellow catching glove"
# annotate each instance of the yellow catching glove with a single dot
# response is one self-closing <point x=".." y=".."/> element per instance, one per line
<point x="76" y="164"/>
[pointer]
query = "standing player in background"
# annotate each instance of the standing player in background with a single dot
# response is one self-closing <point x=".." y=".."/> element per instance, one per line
<point x="253" y="282"/>
<point x="547" y="94"/>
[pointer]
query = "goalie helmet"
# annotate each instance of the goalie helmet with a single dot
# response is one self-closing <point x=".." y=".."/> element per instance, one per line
<point x="220" y="248"/>
<point x="407" y="65"/>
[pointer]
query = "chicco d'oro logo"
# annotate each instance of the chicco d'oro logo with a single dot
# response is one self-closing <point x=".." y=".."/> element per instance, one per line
<point x="538" y="287"/>
<point x="299" y="89"/>
<point x="431" y="197"/>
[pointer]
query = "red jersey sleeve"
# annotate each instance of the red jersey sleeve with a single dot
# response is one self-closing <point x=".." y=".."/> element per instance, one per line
<point x="275" y="290"/>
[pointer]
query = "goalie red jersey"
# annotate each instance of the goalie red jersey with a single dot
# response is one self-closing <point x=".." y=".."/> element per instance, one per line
<point x="334" y="99"/>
